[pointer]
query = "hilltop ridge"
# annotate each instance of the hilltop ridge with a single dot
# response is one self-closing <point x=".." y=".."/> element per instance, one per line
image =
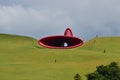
<point x="97" y="44"/>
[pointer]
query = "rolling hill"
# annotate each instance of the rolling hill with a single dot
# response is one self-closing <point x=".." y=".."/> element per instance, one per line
<point x="21" y="58"/>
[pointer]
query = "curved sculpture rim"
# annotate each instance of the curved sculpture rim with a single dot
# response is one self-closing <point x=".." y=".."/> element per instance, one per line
<point x="65" y="41"/>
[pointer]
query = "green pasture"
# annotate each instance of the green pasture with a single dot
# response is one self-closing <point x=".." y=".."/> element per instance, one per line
<point x="21" y="58"/>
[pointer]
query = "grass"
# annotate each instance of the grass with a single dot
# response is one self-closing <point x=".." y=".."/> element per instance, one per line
<point x="21" y="58"/>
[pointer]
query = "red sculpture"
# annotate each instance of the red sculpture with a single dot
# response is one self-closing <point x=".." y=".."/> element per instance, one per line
<point x="65" y="41"/>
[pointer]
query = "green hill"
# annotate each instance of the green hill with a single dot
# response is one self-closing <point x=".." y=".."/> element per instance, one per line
<point x="21" y="58"/>
<point x="110" y="44"/>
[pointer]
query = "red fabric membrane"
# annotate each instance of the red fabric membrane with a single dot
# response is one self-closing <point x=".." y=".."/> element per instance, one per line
<point x="61" y="42"/>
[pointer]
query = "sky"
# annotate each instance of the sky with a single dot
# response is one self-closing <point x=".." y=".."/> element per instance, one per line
<point x="40" y="18"/>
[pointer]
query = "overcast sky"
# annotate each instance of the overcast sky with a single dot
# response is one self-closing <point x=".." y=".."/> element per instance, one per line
<point x="39" y="18"/>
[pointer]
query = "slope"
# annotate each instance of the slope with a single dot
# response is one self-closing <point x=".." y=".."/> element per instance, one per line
<point x="21" y="58"/>
<point x="110" y="44"/>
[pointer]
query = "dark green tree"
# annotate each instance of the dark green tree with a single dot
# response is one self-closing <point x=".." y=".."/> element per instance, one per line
<point x="77" y="77"/>
<point x="108" y="72"/>
<point x="95" y="76"/>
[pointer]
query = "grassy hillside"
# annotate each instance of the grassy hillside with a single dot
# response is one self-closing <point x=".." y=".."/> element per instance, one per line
<point x="110" y="44"/>
<point x="21" y="58"/>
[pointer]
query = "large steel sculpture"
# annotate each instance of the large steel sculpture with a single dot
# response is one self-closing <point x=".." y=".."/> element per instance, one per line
<point x="65" y="41"/>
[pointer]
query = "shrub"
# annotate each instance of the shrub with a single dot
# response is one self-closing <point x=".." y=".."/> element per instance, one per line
<point x="108" y="72"/>
<point x="77" y="77"/>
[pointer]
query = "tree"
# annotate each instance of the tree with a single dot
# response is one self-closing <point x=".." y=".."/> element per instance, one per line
<point x="77" y="77"/>
<point x="108" y="72"/>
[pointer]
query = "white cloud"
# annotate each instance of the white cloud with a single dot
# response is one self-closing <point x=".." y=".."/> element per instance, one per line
<point x="20" y="20"/>
<point x="39" y="18"/>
